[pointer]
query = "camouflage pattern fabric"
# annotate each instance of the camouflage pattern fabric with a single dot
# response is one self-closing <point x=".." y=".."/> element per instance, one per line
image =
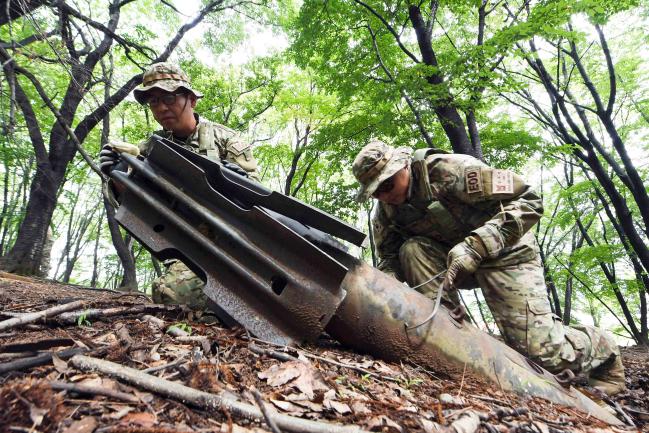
<point x="453" y="197"/>
<point x="179" y="285"/>
<point x="164" y="76"/>
<point x="216" y="142"/>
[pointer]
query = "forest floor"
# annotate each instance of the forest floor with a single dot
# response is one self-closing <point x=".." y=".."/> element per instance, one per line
<point x="335" y="389"/>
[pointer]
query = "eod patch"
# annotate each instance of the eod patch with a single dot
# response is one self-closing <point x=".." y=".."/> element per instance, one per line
<point x="473" y="180"/>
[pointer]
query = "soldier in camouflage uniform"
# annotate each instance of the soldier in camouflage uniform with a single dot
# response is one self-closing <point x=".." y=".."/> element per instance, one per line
<point x="167" y="91"/>
<point x="451" y="213"/>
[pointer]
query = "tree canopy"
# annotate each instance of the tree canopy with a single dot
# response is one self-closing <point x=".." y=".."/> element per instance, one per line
<point x="551" y="89"/>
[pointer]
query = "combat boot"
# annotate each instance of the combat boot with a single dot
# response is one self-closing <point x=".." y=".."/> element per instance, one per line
<point x="609" y="377"/>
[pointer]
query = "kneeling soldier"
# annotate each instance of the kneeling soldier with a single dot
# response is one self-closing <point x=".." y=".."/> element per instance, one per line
<point x="449" y="212"/>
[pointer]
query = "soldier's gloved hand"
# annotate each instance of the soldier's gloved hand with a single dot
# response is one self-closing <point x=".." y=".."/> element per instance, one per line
<point x="109" y="156"/>
<point x="463" y="260"/>
<point x="232" y="166"/>
<point x="108" y="159"/>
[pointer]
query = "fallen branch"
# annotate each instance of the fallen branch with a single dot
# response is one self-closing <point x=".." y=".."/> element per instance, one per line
<point x="35" y="361"/>
<point x="33" y="317"/>
<point x="94" y="390"/>
<point x="98" y="314"/>
<point x="203" y="399"/>
<point x="44" y="344"/>
<point x="282" y="356"/>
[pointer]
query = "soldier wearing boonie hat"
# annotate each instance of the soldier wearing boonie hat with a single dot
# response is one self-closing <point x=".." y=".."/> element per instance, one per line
<point x="452" y="216"/>
<point x="167" y="90"/>
<point x="164" y="76"/>
<point x="376" y="163"/>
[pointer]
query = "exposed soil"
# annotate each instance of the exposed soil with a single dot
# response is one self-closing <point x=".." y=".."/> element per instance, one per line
<point x="323" y="382"/>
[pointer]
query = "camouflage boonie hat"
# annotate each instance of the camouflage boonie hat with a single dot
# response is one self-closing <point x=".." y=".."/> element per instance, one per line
<point x="375" y="163"/>
<point x="163" y="76"/>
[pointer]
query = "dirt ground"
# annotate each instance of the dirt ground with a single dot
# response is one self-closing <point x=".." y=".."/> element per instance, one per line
<point x="336" y="389"/>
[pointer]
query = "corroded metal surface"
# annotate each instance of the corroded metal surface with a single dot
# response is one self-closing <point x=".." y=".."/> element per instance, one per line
<point x="372" y="319"/>
<point x="259" y="272"/>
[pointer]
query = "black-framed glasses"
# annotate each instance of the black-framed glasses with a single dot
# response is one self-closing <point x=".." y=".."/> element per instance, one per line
<point x="386" y="186"/>
<point x="167" y="99"/>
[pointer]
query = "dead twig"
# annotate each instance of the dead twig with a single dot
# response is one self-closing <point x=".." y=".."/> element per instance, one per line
<point x="339" y="364"/>
<point x="491" y="400"/>
<point x="94" y="390"/>
<point x="264" y="411"/>
<point x="175" y="363"/>
<point x="282" y="356"/>
<point x="33" y="317"/>
<point x="203" y="399"/>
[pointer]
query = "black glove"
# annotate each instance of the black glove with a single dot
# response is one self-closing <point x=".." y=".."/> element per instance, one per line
<point x="233" y="166"/>
<point x="108" y="159"/>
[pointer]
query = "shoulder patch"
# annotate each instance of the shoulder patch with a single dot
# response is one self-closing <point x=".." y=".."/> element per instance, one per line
<point x="238" y="146"/>
<point x="502" y="182"/>
<point x="473" y="180"/>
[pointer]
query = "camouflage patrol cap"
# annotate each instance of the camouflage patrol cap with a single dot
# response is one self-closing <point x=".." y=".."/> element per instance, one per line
<point x="375" y="163"/>
<point x="163" y="76"/>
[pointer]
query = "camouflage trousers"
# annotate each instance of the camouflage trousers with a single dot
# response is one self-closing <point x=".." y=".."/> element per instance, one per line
<point x="516" y="296"/>
<point x="179" y="285"/>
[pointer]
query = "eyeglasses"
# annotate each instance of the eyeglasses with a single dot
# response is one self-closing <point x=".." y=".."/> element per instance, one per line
<point x="386" y="186"/>
<point x="167" y="99"/>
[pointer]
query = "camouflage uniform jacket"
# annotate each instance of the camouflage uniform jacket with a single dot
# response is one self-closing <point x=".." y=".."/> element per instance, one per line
<point x="216" y="142"/>
<point x="452" y="196"/>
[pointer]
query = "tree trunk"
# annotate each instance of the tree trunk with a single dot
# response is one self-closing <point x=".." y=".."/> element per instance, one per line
<point x="129" y="279"/>
<point x="27" y="253"/>
<point x="447" y="114"/>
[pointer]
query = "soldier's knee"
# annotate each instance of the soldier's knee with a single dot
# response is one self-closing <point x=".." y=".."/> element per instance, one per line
<point x="413" y="248"/>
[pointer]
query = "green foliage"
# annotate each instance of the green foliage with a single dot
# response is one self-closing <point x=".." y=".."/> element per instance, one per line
<point x="182" y="326"/>
<point x="82" y="320"/>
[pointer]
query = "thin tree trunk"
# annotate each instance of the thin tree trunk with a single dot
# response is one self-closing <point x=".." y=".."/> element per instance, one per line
<point x="129" y="279"/>
<point x="95" y="254"/>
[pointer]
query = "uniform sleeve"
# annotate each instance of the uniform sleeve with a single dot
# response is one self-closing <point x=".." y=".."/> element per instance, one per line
<point x="387" y="242"/>
<point x="232" y="148"/>
<point x="514" y="205"/>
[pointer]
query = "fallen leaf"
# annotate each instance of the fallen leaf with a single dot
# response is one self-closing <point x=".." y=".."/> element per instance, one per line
<point x="139" y="355"/>
<point x="304" y="401"/>
<point x="238" y="429"/>
<point x="384" y="368"/>
<point x="341" y="408"/>
<point x="87" y="424"/>
<point x="359" y="408"/>
<point x="143" y="419"/>
<point x="302" y="376"/>
<point x="384" y="424"/>
<point x="60" y="365"/>
<point x="279" y="374"/>
<point x="153" y="353"/>
<point x="430" y="426"/>
<point x="449" y="399"/>
<point x="410" y="408"/>
<point x="287" y="406"/>
<point x="121" y="412"/>
<point x="467" y="422"/>
<point x="36" y="414"/>
<point x="366" y="363"/>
